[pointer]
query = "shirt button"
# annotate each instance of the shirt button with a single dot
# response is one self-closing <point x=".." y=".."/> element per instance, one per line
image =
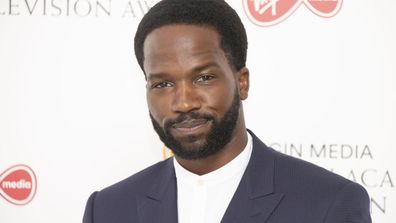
<point x="200" y="182"/>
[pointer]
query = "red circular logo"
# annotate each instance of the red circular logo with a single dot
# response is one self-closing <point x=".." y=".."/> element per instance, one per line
<point x="18" y="184"/>
<point x="271" y="12"/>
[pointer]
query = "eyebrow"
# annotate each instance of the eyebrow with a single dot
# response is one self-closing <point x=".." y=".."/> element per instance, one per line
<point x="204" y="66"/>
<point x="197" y="69"/>
<point x="161" y="75"/>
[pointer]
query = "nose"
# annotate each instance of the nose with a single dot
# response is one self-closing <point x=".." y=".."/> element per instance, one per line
<point x="186" y="98"/>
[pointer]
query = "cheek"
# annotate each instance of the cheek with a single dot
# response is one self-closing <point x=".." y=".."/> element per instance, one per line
<point x="220" y="99"/>
<point x="157" y="107"/>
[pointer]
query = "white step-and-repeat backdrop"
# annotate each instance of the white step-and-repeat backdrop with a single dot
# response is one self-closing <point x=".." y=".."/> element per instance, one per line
<point x="73" y="115"/>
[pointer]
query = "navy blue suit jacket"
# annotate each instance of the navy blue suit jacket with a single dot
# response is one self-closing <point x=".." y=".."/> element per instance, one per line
<point x="275" y="188"/>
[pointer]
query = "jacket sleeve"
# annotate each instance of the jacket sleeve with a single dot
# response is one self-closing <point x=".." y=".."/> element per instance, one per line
<point x="350" y="205"/>
<point x="89" y="209"/>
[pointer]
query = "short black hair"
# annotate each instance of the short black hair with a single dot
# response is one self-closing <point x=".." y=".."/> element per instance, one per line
<point x="216" y="14"/>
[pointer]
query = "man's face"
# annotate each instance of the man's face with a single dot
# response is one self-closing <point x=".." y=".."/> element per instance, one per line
<point x="192" y="91"/>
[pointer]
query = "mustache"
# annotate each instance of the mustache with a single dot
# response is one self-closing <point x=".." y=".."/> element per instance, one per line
<point x="187" y="117"/>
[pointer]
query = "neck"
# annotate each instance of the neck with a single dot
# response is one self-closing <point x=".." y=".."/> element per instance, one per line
<point x="224" y="156"/>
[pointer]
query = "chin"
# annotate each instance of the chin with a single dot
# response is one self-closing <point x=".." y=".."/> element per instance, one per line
<point x="191" y="150"/>
<point x="191" y="142"/>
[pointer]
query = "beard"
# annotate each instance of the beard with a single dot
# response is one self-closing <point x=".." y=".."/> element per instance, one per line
<point x="219" y="135"/>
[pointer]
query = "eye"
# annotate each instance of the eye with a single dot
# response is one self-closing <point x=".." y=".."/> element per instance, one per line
<point x="164" y="84"/>
<point x="205" y="78"/>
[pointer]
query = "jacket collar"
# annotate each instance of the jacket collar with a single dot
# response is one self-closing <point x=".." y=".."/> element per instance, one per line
<point x="255" y="198"/>
<point x="159" y="203"/>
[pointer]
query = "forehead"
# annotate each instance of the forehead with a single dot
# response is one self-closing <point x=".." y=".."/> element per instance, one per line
<point x="177" y="45"/>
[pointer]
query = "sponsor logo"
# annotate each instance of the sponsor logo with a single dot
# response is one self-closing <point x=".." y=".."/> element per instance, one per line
<point x="271" y="12"/>
<point x="18" y="184"/>
<point x="166" y="152"/>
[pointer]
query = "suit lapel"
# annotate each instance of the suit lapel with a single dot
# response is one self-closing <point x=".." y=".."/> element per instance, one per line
<point x="159" y="204"/>
<point x="255" y="199"/>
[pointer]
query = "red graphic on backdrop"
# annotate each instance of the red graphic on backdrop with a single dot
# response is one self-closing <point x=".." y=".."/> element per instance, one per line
<point x="18" y="184"/>
<point x="271" y="12"/>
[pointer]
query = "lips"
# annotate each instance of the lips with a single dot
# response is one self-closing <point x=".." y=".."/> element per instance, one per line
<point x="190" y="123"/>
<point x="190" y="126"/>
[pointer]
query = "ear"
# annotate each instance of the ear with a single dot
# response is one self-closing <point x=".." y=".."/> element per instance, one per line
<point x="243" y="82"/>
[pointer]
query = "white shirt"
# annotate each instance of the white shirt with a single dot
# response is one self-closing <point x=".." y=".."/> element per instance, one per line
<point x="204" y="199"/>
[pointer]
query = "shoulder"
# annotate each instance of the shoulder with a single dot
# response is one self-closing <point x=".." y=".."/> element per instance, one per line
<point x="141" y="180"/>
<point x="300" y="176"/>
<point x="119" y="201"/>
<point x="308" y="188"/>
<point x="138" y="184"/>
<point x="335" y="197"/>
<point x="329" y="197"/>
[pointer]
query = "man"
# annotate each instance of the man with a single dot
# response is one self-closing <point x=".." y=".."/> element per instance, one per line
<point x="193" y="55"/>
